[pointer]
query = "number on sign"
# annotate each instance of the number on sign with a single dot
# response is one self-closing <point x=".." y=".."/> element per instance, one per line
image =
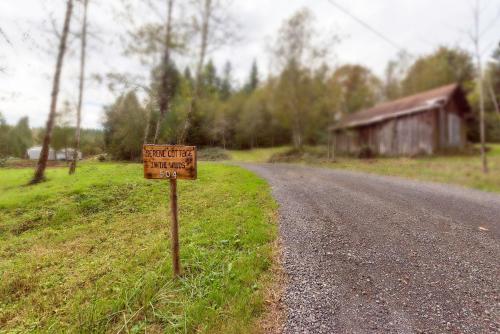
<point x="168" y="175"/>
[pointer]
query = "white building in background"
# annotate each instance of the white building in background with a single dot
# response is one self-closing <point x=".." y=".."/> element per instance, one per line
<point x="67" y="154"/>
<point x="33" y="153"/>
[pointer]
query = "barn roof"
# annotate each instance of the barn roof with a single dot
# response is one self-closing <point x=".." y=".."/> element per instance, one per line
<point x="420" y="102"/>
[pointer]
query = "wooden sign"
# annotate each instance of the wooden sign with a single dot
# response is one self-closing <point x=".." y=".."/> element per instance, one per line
<point x="170" y="162"/>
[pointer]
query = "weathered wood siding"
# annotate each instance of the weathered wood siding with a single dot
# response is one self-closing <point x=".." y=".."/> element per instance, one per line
<point x="423" y="132"/>
<point x="406" y="136"/>
<point x="415" y="134"/>
<point x="347" y="141"/>
<point x="452" y="128"/>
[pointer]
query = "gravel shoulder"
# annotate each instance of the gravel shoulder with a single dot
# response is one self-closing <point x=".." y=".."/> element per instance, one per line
<point x="375" y="254"/>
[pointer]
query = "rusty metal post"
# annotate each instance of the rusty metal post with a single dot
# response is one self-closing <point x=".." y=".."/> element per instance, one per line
<point x="174" y="229"/>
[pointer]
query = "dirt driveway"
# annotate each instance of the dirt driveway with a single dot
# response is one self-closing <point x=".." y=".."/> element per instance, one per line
<point x="372" y="254"/>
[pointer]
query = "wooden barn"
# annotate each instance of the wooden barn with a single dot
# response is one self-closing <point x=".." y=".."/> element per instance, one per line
<point x="424" y="123"/>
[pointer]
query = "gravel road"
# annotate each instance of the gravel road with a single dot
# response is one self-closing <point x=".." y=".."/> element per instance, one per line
<point x="373" y="254"/>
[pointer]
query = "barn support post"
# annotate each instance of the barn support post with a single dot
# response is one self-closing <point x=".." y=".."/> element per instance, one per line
<point x="329" y="144"/>
<point x="334" y="146"/>
<point x="332" y="143"/>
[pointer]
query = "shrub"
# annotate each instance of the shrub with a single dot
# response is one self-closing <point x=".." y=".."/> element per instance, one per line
<point x="102" y="157"/>
<point x="306" y="153"/>
<point x="213" y="154"/>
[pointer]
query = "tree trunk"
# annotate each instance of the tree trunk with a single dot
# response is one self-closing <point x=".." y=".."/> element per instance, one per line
<point x="207" y="14"/>
<point x="72" y="167"/>
<point x="297" y="138"/>
<point x="42" y="161"/>
<point x="205" y="30"/>
<point x="146" y="130"/>
<point x="482" y="131"/>
<point x="165" y="93"/>
<point x="296" y="129"/>
<point x="493" y="97"/>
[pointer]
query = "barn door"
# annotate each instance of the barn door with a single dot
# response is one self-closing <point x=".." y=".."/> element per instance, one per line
<point x="454" y="130"/>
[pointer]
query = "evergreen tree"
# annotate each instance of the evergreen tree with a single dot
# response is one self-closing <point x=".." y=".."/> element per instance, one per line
<point x="253" y="80"/>
<point x="124" y="128"/>
<point x="226" y="86"/>
<point x="210" y="81"/>
<point x="188" y="76"/>
<point x="4" y="135"/>
<point x="20" y="138"/>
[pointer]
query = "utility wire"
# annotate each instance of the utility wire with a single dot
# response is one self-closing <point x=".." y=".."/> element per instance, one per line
<point x="490" y="25"/>
<point x="367" y="26"/>
<point x="4" y="35"/>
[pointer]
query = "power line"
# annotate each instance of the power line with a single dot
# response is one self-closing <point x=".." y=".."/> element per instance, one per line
<point x="4" y="35"/>
<point x="367" y="26"/>
<point x="490" y="46"/>
<point x="490" y="25"/>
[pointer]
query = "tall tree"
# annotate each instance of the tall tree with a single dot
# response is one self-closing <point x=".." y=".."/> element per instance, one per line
<point x="442" y="67"/>
<point x="476" y="39"/>
<point x="253" y="79"/>
<point x="83" y="49"/>
<point x="124" y="126"/>
<point x="296" y="49"/>
<point x="155" y="42"/>
<point x="19" y="138"/>
<point x="360" y="87"/>
<point x="4" y="137"/>
<point x="44" y="154"/>
<point x="395" y="72"/>
<point x="493" y="74"/>
<point x="63" y="134"/>
<point x="203" y="26"/>
<point x="165" y="93"/>
<point x="212" y="28"/>
<point x="226" y="87"/>
<point x="210" y="83"/>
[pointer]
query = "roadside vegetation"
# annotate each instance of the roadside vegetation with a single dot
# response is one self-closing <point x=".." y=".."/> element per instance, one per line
<point x="257" y="155"/>
<point x="461" y="169"/>
<point x="91" y="253"/>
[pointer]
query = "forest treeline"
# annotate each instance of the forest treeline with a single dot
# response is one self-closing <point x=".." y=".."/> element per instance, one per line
<point x="260" y="112"/>
<point x="16" y="139"/>
<point x="304" y="100"/>
<point x="206" y="106"/>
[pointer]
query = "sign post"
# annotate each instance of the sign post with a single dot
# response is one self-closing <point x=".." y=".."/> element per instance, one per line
<point x="171" y="162"/>
<point x="174" y="228"/>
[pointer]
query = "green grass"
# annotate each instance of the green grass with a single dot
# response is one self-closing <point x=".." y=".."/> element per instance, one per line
<point x="463" y="170"/>
<point x="90" y="253"/>
<point x="257" y="155"/>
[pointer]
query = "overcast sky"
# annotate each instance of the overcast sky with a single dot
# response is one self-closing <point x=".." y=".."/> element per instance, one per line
<point x="28" y="47"/>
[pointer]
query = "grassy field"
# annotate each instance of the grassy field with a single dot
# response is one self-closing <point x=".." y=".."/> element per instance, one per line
<point x="464" y="170"/>
<point x="90" y="253"/>
<point x="257" y="155"/>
